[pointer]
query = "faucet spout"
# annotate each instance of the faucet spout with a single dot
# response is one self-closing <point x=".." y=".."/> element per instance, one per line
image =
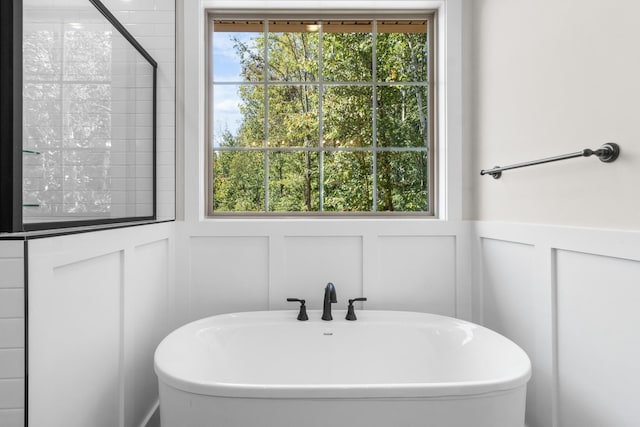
<point x="329" y="298"/>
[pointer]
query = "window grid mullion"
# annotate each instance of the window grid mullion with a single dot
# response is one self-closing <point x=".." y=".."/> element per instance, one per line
<point x="320" y="120"/>
<point x="265" y="76"/>
<point x="327" y="149"/>
<point x="308" y="83"/>
<point x="374" y="114"/>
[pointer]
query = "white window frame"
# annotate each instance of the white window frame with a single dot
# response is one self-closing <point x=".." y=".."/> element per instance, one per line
<point x="193" y="206"/>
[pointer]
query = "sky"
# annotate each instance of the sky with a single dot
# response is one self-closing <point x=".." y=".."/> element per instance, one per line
<point x="227" y="68"/>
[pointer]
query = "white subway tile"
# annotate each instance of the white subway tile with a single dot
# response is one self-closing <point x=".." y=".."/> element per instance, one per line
<point x="144" y="209"/>
<point x="11" y="364"/>
<point x="12" y="417"/>
<point x="142" y="80"/>
<point x="122" y="5"/>
<point x="158" y="17"/>
<point x="165" y="5"/>
<point x="118" y="197"/>
<point x="142" y="30"/>
<point x="143" y="145"/>
<point x="143" y="160"/>
<point x="12" y="269"/>
<point x="11" y="394"/>
<point x="165" y="55"/>
<point x="165" y="132"/>
<point x="166" y="158"/>
<point x="11" y="333"/>
<point x="144" y="185"/>
<point x="11" y="249"/>
<point x="145" y="108"/>
<point x="167" y="77"/>
<point x="166" y="184"/>
<point x="143" y="94"/>
<point x="143" y="197"/>
<point x="144" y="171"/>
<point x="143" y="131"/>
<point x="155" y="42"/>
<point x="118" y="210"/>
<point x="165" y="29"/>
<point x="168" y="118"/>
<point x="165" y="170"/>
<point x="11" y="303"/>
<point x="166" y="197"/>
<point x="165" y="107"/>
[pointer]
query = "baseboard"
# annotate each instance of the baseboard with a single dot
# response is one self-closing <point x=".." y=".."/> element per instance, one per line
<point x="153" y="417"/>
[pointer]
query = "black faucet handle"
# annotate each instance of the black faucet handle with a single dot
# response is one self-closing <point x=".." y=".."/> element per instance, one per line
<point x="351" y="312"/>
<point x="302" y="315"/>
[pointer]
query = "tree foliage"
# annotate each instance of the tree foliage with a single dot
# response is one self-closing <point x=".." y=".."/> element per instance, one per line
<point x="320" y="128"/>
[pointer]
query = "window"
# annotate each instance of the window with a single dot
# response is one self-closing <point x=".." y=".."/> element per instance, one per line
<point x="331" y="115"/>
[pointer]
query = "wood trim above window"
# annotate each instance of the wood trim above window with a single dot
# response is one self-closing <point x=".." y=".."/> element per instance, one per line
<point x="310" y="26"/>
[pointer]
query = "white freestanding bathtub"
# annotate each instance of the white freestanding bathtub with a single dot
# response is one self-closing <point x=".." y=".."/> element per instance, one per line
<point x="386" y="369"/>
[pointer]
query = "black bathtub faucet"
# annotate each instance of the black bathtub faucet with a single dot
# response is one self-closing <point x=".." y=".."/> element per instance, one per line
<point x="329" y="298"/>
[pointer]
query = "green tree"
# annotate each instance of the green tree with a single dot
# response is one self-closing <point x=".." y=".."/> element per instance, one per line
<point x="294" y="101"/>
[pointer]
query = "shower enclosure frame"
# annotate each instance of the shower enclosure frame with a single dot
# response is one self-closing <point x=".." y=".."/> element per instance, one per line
<point x="11" y="125"/>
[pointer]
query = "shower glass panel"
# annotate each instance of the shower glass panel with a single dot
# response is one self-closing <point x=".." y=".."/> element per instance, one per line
<point x="88" y="117"/>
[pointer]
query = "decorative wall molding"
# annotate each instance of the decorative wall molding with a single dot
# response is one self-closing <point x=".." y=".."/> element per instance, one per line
<point x="98" y="300"/>
<point x="255" y="265"/>
<point x="538" y="284"/>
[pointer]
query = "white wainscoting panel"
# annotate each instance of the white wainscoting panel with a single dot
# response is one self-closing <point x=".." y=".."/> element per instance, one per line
<point x="98" y="307"/>
<point x="414" y="273"/>
<point x="12" y="372"/>
<point x="507" y="292"/>
<point x="507" y="296"/>
<point x="569" y="297"/>
<point x="598" y="340"/>
<point x="248" y="265"/>
<point x="74" y="344"/>
<point x="309" y="263"/>
<point x="228" y="274"/>
<point x="146" y="320"/>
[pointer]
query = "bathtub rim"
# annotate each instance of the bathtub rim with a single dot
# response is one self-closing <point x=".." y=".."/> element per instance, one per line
<point x="460" y="389"/>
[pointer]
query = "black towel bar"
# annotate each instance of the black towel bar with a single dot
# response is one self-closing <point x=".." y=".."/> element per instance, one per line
<point x="606" y="153"/>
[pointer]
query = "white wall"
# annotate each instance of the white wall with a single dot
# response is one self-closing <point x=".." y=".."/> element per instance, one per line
<point x="12" y="372"/>
<point x="555" y="253"/>
<point x="551" y="78"/>
<point x="99" y="304"/>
